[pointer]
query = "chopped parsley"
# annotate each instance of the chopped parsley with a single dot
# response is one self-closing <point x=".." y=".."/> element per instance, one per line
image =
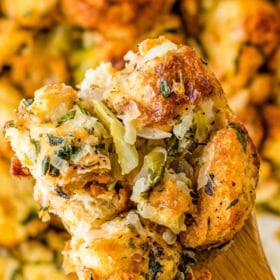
<point x="66" y="152"/>
<point x="240" y="135"/>
<point x="45" y="165"/>
<point x="154" y="266"/>
<point x="234" y="202"/>
<point x="131" y="227"/>
<point x="83" y="110"/>
<point x="10" y="124"/>
<point x="32" y="214"/>
<point x="53" y="140"/>
<point x="60" y="192"/>
<point x="44" y="208"/>
<point x="27" y="102"/>
<point x="69" y="116"/>
<point x="48" y="168"/>
<point x="172" y="146"/>
<point x="54" y="172"/>
<point x="153" y="180"/>
<point x="37" y="146"/>
<point x="236" y="61"/>
<point x="164" y="89"/>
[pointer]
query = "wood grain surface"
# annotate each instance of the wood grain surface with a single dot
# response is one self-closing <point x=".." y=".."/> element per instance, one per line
<point x="242" y="259"/>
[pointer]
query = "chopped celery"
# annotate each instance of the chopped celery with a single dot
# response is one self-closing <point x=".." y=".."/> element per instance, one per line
<point x="127" y="153"/>
<point x="150" y="174"/>
<point x="201" y="122"/>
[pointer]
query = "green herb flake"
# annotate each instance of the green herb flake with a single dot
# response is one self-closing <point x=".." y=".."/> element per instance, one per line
<point x="69" y="116"/>
<point x="61" y="193"/>
<point x="154" y="266"/>
<point x="45" y="165"/>
<point x="54" y="172"/>
<point x="66" y="152"/>
<point x="82" y="109"/>
<point x="131" y="227"/>
<point x="234" y="202"/>
<point x="236" y="61"/>
<point x="53" y="140"/>
<point x="32" y="214"/>
<point x="164" y="89"/>
<point x="27" y="102"/>
<point x="114" y="90"/>
<point x="10" y="124"/>
<point x="153" y="180"/>
<point x="240" y="135"/>
<point x="44" y="208"/>
<point x="37" y="145"/>
<point x="172" y="146"/>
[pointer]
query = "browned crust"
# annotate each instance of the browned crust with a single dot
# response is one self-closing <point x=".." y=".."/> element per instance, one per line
<point x="183" y="67"/>
<point x="17" y="169"/>
<point x="235" y="174"/>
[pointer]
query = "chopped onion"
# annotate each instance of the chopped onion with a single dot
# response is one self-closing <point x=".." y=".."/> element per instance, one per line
<point x="153" y="133"/>
<point x="181" y="128"/>
<point x="133" y="219"/>
<point x="58" y="162"/>
<point x="131" y="111"/>
<point x="169" y="237"/>
<point x="101" y="76"/>
<point x="130" y="132"/>
<point x="159" y="50"/>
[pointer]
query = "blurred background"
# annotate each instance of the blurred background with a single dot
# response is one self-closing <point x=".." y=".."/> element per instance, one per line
<point x="54" y="41"/>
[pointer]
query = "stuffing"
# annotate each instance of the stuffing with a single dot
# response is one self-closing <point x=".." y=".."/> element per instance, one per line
<point x="137" y="159"/>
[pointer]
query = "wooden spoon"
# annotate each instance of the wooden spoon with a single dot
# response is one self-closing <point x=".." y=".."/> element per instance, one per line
<point x="243" y="258"/>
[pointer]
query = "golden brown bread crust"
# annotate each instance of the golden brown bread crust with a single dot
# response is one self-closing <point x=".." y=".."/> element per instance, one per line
<point x="17" y="169"/>
<point x="184" y="73"/>
<point x="177" y="68"/>
<point x="228" y="196"/>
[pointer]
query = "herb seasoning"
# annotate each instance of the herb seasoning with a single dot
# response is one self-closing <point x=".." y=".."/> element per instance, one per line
<point x="240" y="135"/>
<point x="53" y="140"/>
<point x="234" y="202"/>
<point x="66" y="152"/>
<point x="37" y="146"/>
<point x="164" y="89"/>
<point x="154" y="266"/>
<point x="83" y="110"/>
<point x="28" y="102"/>
<point x="66" y="117"/>
<point x="45" y="165"/>
<point x="60" y="192"/>
<point x="54" y="172"/>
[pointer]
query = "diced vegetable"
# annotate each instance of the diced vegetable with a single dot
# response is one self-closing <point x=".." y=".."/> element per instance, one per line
<point x="127" y="153"/>
<point x="150" y="174"/>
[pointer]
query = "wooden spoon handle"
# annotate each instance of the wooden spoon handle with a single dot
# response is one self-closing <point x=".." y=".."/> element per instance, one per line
<point x="244" y="258"/>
